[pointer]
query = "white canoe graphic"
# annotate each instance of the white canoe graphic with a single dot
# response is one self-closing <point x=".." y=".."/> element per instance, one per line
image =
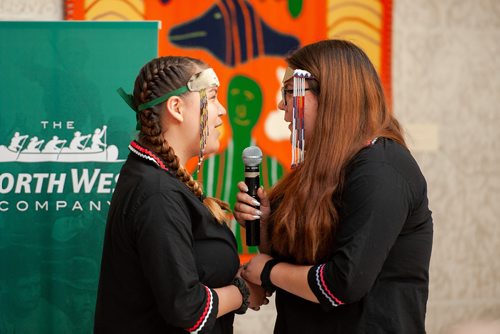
<point x="110" y="154"/>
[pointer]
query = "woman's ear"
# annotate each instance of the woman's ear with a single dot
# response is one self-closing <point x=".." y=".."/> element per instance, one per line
<point x="174" y="108"/>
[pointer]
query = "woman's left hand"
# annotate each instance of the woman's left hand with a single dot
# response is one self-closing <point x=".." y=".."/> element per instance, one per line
<point x="257" y="296"/>
<point x="252" y="270"/>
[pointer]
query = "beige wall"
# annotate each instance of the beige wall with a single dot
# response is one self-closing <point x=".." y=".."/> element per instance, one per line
<point x="446" y="73"/>
<point x="446" y="81"/>
<point x="37" y="10"/>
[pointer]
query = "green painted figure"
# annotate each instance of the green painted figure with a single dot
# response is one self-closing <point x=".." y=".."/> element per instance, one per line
<point x="223" y="171"/>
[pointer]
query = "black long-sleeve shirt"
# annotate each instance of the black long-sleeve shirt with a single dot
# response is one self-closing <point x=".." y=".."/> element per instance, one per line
<point x="377" y="278"/>
<point x="163" y="255"/>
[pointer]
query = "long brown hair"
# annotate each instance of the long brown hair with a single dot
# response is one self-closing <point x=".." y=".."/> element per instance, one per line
<point x="351" y="110"/>
<point x="158" y="77"/>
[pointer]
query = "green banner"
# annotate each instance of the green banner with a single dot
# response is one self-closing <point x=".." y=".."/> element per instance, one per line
<point x="64" y="133"/>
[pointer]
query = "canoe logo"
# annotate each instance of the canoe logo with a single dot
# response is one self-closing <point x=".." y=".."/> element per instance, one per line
<point x="82" y="147"/>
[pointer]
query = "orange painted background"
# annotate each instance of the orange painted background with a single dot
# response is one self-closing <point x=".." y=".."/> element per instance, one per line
<point x="308" y="21"/>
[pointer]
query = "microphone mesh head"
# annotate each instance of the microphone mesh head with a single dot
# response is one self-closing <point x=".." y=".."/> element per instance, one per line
<point x="252" y="156"/>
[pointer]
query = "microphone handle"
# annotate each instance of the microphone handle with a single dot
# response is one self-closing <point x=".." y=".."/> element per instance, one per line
<point x="252" y="227"/>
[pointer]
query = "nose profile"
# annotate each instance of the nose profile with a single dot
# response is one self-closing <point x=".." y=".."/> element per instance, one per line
<point x="222" y="110"/>
<point x="281" y="105"/>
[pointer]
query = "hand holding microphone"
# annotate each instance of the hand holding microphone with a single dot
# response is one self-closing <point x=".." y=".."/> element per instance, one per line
<point x="252" y="157"/>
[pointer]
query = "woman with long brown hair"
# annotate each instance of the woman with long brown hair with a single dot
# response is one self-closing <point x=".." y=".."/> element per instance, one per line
<point x="347" y="235"/>
<point x="170" y="262"/>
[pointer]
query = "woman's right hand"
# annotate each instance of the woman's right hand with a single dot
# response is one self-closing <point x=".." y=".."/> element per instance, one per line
<point x="244" y="209"/>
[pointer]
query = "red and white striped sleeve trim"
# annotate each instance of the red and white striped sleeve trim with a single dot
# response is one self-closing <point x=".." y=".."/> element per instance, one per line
<point x="206" y="313"/>
<point x="320" y="280"/>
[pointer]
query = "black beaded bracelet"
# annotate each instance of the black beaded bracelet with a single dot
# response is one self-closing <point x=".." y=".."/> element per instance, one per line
<point x="265" y="275"/>
<point x="245" y="293"/>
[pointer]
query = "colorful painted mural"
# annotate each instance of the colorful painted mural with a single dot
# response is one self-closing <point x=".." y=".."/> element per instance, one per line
<point x="245" y="42"/>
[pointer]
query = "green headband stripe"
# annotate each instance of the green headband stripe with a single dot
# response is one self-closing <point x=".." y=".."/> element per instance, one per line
<point x="129" y="99"/>
<point x="162" y="98"/>
<point x="126" y="97"/>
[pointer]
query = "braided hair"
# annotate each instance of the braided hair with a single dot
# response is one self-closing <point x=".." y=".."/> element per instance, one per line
<point x="156" y="78"/>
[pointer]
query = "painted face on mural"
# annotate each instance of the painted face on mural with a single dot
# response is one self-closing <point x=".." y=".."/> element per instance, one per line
<point x="310" y="108"/>
<point x="244" y="104"/>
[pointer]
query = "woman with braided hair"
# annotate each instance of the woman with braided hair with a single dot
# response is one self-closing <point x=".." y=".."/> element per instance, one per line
<point x="170" y="262"/>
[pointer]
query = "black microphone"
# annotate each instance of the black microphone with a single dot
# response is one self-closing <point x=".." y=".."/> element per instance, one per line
<point x="252" y="157"/>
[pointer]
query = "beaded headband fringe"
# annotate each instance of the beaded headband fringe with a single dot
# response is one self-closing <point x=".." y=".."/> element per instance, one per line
<point x="298" y="122"/>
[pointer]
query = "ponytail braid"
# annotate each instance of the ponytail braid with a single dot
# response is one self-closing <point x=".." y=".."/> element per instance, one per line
<point x="156" y="78"/>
